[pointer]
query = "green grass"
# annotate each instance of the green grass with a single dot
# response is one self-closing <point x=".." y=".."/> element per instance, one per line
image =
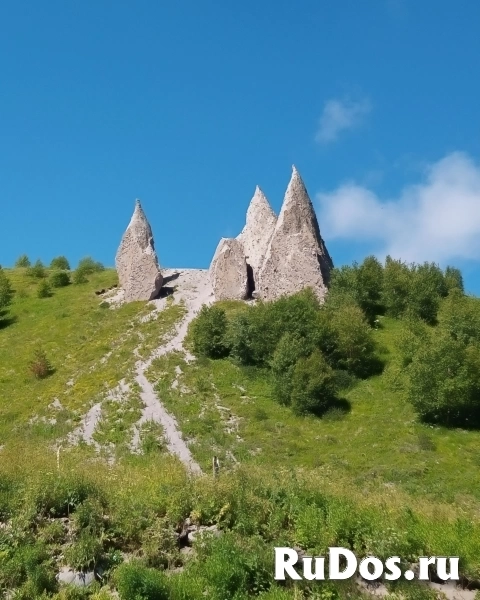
<point x="372" y="478"/>
<point x="377" y="443"/>
<point x="91" y="349"/>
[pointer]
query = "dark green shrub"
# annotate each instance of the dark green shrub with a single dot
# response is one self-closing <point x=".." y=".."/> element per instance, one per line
<point x="454" y="279"/>
<point x="362" y="284"/>
<point x="460" y="317"/>
<point x="347" y="340"/>
<point x="6" y="291"/>
<point x="44" y="289"/>
<point x="85" y="551"/>
<point x="209" y="332"/>
<point x="79" y="277"/>
<point x="427" y="286"/>
<point x="313" y="385"/>
<point x="60" y="263"/>
<point x="59" y="495"/>
<point x="396" y="286"/>
<point x="234" y="568"/>
<point x="89" y="266"/>
<point x="160" y="544"/>
<point x="40" y="366"/>
<point x="37" y="270"/>
<point x="289" y="350"/>
<point x="134" y="581"/>
<point x="88" y="517"/>
<point x="255" y="333"/>
<point x="22" y="262"/>
<point x="444" y="381"/>
<point x="59" y="279"/>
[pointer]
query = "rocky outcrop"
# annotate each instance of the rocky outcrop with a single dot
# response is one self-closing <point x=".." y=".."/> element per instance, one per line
<point x="296" y="256"/>
<point x="259" y="228"/>
<point x="228" y="271"/>
<point x="136" y="260"/>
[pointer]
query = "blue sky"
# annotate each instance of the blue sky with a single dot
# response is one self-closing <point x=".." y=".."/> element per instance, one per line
<point x="188" y="105"/>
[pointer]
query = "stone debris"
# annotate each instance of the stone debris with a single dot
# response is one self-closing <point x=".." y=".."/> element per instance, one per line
<point x="296" y="257"/>
<point x="258" y="230"/>
<point x="228" y="271"/>
<point x="136" y="260"/>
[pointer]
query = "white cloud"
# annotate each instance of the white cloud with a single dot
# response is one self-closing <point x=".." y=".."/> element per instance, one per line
<point x="436" y="220"/>
<point x="339" y="115"/>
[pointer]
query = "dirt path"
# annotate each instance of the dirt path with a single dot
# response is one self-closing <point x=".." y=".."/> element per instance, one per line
<point x="192" y="287"/>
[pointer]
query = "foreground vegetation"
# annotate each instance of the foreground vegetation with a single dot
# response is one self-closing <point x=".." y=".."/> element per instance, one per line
<point x="349" y="424"/>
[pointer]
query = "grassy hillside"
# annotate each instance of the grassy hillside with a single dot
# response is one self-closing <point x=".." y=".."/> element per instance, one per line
<point x="376" y="440"/>
<point x="367" y="474"/>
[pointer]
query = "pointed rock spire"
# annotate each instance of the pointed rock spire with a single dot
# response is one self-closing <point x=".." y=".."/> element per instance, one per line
<point x="259" y="228"/>
<point x="296" y="256"/>
<point x="228" y="271"/>
<point x="136" y="260"/>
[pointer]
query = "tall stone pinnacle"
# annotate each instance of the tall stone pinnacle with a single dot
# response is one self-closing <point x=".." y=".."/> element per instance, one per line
<point x="136" y="260"/>
<point x="259" y="228"/>
<point x="228" y="271"/>
<point x="296" y="256"/>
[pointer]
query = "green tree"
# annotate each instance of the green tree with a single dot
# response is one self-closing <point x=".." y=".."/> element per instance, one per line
<point x="6" y="291"/>
<point x="44" y="289"/>
<point x="454" y="279"/>
<point x="346" y="339"/>
<point x="361" y="283"/>
<point x="22" y="262"/>
<point x="89" y="266"/>
<point x="255" y="333"/>
<point x="370" y="277"/>
<point x="209" y="332"/>
<point x="460" y="317"/>
<point x="426" y="288"/>
<point x="288" y="352"/>
<point x="313" y="385"/>
<point x="60" y="263"/>
<point x="37" y="270"/>
<point x="79" y="277"/>
<point x="396" y="287"/>
<point x="59" y="279"/>
<point x="444" y="381"/>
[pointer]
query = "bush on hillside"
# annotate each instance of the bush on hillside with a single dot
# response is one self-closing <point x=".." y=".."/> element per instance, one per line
<point x="313" y="385"/>
<point x="22" y="262"/>
<point x="79" y="277"/>
<point x="59" y="279"/>
<point x="60" y="263"/>
<point x="137" y="582"/>
<point x="454" y="279"/>
<point x="255" y="333"/>
<point x="290" y="349"/>
<point x="6" y="291"/>
<point x="37" y="270"/>
<point x="346" y="339"/>
<point x="44" y="289"/>
<point x="209" y="332"/>
<point x="460" y="317"/>
<point x="444" y="381"/>
<point x="89" y="266"/>
<point x="40" y="366"/>
<point x="363" y="284"/>
<point x="396" y="284"/>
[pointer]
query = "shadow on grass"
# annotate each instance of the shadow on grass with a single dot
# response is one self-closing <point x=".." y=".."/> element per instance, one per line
<point x="339" y="408"/>
<point x="6" y="321"/>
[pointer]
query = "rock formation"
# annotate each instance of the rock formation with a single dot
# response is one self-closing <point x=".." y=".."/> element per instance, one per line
<point x="136" y="260"/>
<point x="296" y="256"/>
<point x="228" y="271"/>
<point x="273" y="257"/>
<point x="258" y="230"/>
